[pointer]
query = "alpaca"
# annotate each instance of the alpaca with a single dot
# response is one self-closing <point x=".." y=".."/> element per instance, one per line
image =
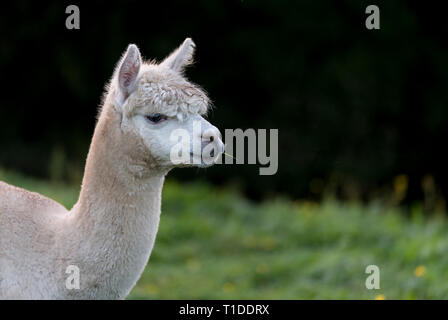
<point x="110" y="232"/>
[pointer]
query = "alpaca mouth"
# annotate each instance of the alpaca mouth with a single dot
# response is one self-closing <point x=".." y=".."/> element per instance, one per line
<point x="202" y="161"/>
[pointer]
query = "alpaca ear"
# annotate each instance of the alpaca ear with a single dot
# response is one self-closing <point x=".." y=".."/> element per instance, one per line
<point x="181" y="57"/>
<point x="127" y="72"/>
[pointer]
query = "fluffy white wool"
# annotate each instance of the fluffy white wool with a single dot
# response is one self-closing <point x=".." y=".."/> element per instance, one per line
<point x="110" y="232"/>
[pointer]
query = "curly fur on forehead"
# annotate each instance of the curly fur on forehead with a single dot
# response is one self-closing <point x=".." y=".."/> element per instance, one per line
<point x="161" y="90"/>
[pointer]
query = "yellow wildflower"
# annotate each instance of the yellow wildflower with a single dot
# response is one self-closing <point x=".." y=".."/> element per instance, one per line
<point x="419" y="271"/>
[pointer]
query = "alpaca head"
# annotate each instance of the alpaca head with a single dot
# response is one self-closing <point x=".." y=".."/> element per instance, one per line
<point x="162" y="112"/>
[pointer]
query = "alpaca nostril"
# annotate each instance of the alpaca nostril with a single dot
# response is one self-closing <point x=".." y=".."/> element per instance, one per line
<point x="212" y="153"/>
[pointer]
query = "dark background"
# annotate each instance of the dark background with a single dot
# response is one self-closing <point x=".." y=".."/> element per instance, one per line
<point x="355" y="108"/>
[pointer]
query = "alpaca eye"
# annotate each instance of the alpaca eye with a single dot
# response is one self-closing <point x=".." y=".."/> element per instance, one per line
<point x="156" y="117"/>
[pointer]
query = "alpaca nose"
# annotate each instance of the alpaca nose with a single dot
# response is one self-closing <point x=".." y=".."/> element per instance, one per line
<point x="211" y="135"/>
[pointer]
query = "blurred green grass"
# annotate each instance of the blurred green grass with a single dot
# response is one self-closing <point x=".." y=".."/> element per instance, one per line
<point x="214" y="244"/>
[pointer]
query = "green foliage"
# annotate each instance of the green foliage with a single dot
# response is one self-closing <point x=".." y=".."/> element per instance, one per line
<point x="214" y="244"/>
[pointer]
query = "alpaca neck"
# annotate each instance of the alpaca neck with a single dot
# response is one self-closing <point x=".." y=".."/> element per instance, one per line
<point x="115" y="221"/>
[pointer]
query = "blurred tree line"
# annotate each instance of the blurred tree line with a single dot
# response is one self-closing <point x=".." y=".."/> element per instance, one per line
<point x="357" y="110"/>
